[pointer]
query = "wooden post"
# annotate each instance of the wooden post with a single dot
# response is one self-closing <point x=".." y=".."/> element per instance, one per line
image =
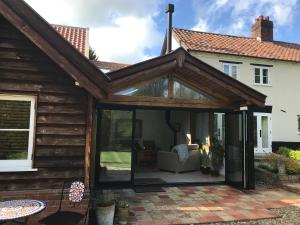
<point x="88" y="141"/>
<point x="171" y="86"/>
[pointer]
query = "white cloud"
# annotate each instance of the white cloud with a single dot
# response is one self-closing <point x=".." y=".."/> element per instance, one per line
<point x="126" y="39"/>
<point x="120" y="30"/>
<point x="237" y="16"/>
<point x="202" y="25"/>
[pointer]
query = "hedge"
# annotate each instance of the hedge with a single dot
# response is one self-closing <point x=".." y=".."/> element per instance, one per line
<point x="293" y="154"/>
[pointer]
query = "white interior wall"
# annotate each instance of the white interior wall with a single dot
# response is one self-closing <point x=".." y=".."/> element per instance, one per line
<point x="155" y="128"/>
<point x="182" y="118"/>
<point x="202" y="127"/>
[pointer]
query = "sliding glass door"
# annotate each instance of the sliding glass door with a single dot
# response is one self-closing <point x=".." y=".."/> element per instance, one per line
<point x="235" y="149"/>
<point x="115" y="146"/>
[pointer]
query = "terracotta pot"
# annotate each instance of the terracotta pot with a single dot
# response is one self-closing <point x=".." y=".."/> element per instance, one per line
<point x="123" y="215"/>
<point x="105" y="214"/>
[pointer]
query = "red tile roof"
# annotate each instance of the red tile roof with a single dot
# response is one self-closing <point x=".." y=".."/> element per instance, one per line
<point x="235" y="45"/>
<point x="111" y="66"/>
<point x="77" y="36"/>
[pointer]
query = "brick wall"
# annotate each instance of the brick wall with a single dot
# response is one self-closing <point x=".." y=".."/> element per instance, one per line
<point x="50" y="197"/>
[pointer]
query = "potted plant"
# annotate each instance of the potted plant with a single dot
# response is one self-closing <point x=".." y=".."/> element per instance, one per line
<point x="104" y="205"/>
<point x="122" y="212"/>
<point x="205" y="161"/>
<point x="217" y="156"/>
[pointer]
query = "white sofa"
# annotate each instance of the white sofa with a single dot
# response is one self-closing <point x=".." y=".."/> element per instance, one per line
<point x="169" y="161"/>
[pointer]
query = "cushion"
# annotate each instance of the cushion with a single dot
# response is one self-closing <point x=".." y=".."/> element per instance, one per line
<point x="182" y="152"/>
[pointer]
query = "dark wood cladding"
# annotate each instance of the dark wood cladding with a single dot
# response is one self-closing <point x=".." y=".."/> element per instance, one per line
<point x="61" y="112"/>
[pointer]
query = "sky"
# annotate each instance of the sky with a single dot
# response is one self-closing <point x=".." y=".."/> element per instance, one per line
<point x="130" y="31"/>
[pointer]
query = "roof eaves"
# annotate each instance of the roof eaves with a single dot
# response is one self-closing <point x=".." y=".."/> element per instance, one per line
<point x="32" y="25"/>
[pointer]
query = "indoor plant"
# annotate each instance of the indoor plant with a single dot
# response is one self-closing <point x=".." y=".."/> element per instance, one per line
<point x="122" y="212"/>
<point x="104" y="205"/>
<point x="205" y="161"/>
<point x="217" y="156"/>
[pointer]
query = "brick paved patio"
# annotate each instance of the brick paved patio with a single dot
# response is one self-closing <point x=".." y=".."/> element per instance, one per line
<point x="188" y="205"/>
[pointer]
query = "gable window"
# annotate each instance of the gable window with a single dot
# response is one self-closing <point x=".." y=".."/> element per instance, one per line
<point x="231" y="69"/>
<point x="183" y="91"/>
<point x="17" y="116"/>
<point x="262" y="76"/>
<point x="154" y="88"/>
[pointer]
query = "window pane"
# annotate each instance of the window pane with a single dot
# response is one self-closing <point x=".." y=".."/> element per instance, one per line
<point x="234" y="71"/>
<point x="14" y="114"/>
<point x="257" y="75"/>
<point x="156" y="88"/>
<point x="184" y="92"/>
<point x="265" y="76"/>
<point x="14" y="144"/>
<point x="226" y="69"/>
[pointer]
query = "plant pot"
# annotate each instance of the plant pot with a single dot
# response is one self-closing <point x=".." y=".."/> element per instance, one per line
<point x="215" y="173"/>
<point x="281" y="168"/>
<point x="123" y="216"/>
<point x="201" y="169"/>
<point x="206" y="170"/>
<point x="105" y="214"/>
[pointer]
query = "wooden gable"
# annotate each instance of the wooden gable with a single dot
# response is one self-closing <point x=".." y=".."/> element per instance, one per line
<point x="180" y="66"/>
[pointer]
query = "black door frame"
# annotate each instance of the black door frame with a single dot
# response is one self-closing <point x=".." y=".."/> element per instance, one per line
<point x="98" y="142"/>
<point x="248" y="174"/>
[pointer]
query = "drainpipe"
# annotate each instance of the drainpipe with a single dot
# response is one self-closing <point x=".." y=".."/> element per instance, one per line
<point x="169" y="11"/>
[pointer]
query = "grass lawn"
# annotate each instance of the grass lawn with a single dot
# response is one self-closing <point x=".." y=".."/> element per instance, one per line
<point x="116" y="159"/>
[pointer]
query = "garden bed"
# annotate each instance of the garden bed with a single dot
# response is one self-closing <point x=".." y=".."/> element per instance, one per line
<point x="263" y="175"/>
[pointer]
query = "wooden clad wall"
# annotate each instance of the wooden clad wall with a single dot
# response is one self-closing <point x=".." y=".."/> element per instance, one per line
<point x="61" y="112"/>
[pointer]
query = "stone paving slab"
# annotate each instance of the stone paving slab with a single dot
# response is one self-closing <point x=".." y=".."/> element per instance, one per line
<point x="204" y="204"/>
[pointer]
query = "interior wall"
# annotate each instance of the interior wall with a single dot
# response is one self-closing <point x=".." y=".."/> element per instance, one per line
<point x="183" y="119"/>
<point x="154" y="127"/>
<point x="202" y="127"/>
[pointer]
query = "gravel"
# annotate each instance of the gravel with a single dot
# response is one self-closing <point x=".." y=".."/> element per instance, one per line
<point x="288" y="216"/>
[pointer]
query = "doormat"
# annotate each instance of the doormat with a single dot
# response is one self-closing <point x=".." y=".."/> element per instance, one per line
<point x="144" y="189"/>
<point x="149" y="181"/>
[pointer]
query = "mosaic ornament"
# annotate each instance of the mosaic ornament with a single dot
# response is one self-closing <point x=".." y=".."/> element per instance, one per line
<point x="76" y="192"/>
<point x="15" y="209"/>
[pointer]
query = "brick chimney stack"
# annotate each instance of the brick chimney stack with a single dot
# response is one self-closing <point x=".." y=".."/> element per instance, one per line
<point x="262" y="29"/>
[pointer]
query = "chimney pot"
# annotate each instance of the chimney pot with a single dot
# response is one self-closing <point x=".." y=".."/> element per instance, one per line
<point x="262" y="29"/>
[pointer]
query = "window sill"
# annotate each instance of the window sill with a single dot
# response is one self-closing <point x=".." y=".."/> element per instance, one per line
<point x="18" y="169"/>
<point x="263" y="85"/>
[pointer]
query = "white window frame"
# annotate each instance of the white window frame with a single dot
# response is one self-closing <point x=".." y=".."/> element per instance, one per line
<point x="21" y="164"/>
<point x="261" y="68"/>
<point x="230" y="69"/>
<point x="298" y="123"/>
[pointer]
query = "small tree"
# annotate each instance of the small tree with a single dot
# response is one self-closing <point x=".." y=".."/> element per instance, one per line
<point x="92" y="54"/>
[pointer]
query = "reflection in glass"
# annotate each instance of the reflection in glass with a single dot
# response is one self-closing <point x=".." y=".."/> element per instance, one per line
<point x="155" y="88"/>
<point x="14" y="145"/>
<point x="185" y="92"/>
<point x="235" y="149"/>
<point x="115" y="145"/>
<point x="264" y="132"/>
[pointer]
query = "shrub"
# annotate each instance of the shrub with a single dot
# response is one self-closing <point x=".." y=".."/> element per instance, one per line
<point x="268" y="168"/>
<point x="293" y="154"/>
<point x="292" y="167"/>
<point x="274" y="159"/>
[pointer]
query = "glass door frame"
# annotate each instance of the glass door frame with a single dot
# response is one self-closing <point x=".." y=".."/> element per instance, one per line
<point x="130" y="182"/>
<point x="248" y="173"/>
<point x="259" y="148"/>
